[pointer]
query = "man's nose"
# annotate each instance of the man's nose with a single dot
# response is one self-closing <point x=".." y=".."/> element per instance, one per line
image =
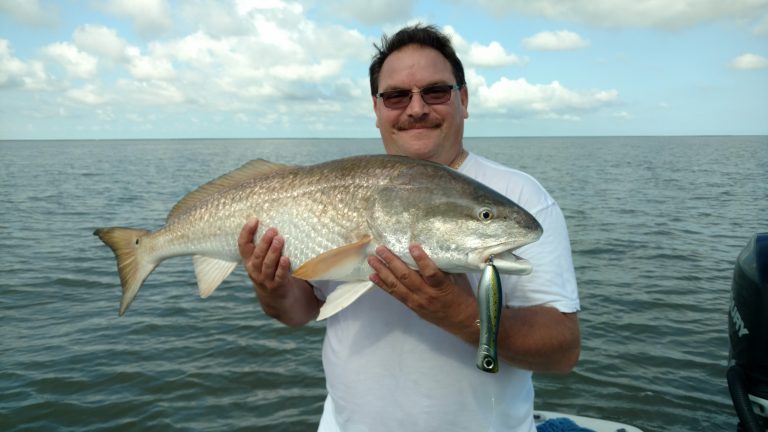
<point x="416" y="106"/>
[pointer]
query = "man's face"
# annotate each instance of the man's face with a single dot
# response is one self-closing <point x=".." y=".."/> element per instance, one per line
<point x="420" y="131"/>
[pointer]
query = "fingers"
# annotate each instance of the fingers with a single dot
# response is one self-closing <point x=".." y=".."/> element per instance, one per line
<point x="283" y="270"/>
<point x="391" y="273"/>
<point x="427" y="268"/>
<point x="245" y="240"/>
<point x="269" y="251"/>
<point x="397" y="278"/>
<point x="263" y="260"/>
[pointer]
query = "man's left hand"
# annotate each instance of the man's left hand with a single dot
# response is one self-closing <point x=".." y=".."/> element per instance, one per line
<point x="444" y="299"/>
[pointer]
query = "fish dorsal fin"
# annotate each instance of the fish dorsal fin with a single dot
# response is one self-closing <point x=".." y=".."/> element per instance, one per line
<point x="251" y="169"/>
<point x="211" y="272"/>
<point x="334" y="263"/>
<point x="342" y="297"/>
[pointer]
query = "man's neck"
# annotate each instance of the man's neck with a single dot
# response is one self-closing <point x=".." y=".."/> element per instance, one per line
<point x="459" y="159"/>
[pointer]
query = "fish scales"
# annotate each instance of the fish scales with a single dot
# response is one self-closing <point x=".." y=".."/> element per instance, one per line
<point x="308" y="201"/>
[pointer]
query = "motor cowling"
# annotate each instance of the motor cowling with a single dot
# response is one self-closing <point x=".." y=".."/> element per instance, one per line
<point x="748" y="334"/>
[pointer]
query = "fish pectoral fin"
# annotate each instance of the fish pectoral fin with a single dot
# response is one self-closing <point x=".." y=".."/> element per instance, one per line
<point x="334" y="263"/>
<point x="210" y="273"/>
<point x="342" y="297"/>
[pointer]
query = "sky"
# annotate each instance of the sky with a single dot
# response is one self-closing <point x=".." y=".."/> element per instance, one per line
<point x="139" y="69"/>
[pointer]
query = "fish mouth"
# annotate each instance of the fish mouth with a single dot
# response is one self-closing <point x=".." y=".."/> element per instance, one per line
<point x="504" y="259"/>
<point x="509" y="263"/>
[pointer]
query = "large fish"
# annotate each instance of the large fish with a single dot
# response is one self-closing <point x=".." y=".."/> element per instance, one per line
<point x="332" y="215"/>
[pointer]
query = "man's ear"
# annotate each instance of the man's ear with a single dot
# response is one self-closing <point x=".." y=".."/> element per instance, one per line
<point x="464" y="100"/>
<point x="376" y="110"/>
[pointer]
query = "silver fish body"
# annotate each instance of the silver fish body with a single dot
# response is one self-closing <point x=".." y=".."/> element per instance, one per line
<point x="332" y="215"/>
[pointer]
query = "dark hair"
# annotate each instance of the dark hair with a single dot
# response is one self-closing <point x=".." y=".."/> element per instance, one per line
<point x="428" y="36"/>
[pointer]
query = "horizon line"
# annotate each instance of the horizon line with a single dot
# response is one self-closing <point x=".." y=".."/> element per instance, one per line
<point x="373" y="137"/>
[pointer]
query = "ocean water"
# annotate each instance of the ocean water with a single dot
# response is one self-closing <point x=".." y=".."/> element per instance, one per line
<point x="656" y="224"/>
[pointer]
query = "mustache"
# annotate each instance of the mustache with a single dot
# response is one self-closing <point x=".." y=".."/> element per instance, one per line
<point x="412" y="123"/>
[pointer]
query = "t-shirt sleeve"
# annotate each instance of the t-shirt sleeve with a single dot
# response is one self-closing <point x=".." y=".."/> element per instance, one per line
<point x="323" y="288"/>
<point x="553" y="280"/>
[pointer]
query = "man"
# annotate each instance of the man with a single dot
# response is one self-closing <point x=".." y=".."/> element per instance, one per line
<point x="402" y="358"/>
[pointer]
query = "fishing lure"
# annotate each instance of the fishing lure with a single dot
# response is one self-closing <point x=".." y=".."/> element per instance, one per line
<point x="489" y="301"/>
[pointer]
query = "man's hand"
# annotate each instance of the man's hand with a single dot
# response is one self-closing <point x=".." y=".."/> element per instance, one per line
<point x="443" y="299"/>
<point x="283" y="297"/>
<point x="264" y="262"/>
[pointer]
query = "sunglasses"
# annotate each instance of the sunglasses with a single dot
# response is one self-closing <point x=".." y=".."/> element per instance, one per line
<point x="432" y="95"/>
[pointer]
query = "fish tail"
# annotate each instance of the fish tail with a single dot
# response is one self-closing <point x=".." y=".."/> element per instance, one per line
<point x="132" y="263"/>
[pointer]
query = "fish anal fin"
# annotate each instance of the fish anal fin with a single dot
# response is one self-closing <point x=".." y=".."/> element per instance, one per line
<point x="342" y="297"/>
<point x="335" y="262"/>
<point x="250" y="170"/>
<point x="210" y="273"/>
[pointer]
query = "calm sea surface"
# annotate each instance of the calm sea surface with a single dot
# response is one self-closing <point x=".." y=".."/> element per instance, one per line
<point x="655" y="222"/>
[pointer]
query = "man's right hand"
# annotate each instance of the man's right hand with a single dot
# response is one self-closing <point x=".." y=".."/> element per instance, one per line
<point x="283" y="297"/>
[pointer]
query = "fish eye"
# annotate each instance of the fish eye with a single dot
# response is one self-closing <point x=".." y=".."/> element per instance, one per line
<point x="485" y="214"/>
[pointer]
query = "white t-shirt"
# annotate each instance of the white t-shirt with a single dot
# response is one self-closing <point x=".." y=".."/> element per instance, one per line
<point x="388" y="370"/>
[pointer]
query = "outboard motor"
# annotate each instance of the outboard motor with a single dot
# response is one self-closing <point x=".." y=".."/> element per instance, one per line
<point x="748" y="333"/>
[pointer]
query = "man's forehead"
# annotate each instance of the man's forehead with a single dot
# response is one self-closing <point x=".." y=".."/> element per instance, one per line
<point x="415" y="65"/>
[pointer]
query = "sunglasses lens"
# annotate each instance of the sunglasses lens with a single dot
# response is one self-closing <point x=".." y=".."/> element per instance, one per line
<point x="398" y="99"/>
<point x="437" y="94"/>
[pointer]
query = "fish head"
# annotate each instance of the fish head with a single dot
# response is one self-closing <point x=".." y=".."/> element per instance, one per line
<point x="462" y="234"/>
<point x="459" y="222"/>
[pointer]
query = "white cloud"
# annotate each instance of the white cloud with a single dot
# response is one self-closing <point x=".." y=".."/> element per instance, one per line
<point x="623" y="115"/>
<point x="518" y="97"/>
<point x="277" y="59"/>
<point x="555" y="41"/>
<point x="12" y="70"/>
<point x="150" y="93"/>
<point x="30" y="12"/>
<point x="373" y="12"/>
<point x="749" y="61"/>
<point x="199" y="50"/>
<point x="630" y="13"/>
<point x="76" y="62"/>
<point x="282" y="54"/>
<point x="33" y="77"/>
<point x="88" y="94"/>
<point x="215" y="17"/>
<point x="761" y="28"/>
<point x="474" y="81"/>
<point x="281" y="58"/>
<point x="105" y="114"/>
<point x="101" y="41"/>
<point x="476" y="54"/>
<point x="104" y="43"/>
<point x="318" y="72"/>
<point x="246" y="6"/>
<point x="149" y="68"/>
<point x="274" y="35"/>
<point x="149" y="16"/>
<point x="491" y="55"/>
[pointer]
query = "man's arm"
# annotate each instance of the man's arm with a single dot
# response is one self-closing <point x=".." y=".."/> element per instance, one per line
<point x="290" y="300"/>
<point x="538" y="338"/>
